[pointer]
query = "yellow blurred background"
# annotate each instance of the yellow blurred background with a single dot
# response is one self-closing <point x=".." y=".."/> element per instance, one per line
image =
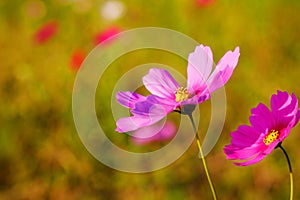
<point x="42" y="46"/>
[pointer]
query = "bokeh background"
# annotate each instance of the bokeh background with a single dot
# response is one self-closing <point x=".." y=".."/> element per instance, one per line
<point x="43" y="44"/>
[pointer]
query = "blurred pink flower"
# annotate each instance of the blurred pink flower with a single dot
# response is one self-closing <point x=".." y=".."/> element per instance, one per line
<point x="106" y="34"/>
<point x="204" y="3"/>
<point x="166" y="94"/>
<point x="46" y="32"/>
<point x="268" y="129"/>
<point x="157" y="132"/>
<point x="77" y="59"/>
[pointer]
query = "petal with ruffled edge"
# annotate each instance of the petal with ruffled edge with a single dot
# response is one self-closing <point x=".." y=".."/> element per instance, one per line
<point x="262" y="118"/>
<point x="284" y="109"/>
<point x="129" y="99"/>
<point x="223" y="70"/>
<point x="160" y="83"/>
<point x="200" y="64"/>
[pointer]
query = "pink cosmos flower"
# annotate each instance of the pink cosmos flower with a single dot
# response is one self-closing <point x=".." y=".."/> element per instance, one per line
<point x="268" y="129"/>
<point x="106" y="34"/>
<point x="46" y="32"/>
<point x="155" y="132"/>
<point x="167" y="95"/>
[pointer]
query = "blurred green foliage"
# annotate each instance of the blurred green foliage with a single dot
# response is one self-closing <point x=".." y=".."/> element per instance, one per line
<point x="41" y="155"/>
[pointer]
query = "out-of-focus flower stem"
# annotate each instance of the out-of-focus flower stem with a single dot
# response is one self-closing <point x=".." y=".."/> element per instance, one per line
<point x="202" y="157"/>
<point x="290" y="169"/>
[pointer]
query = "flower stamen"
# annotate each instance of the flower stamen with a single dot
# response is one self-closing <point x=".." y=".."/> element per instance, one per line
<point x="271" y="137"/>
<point x="181" y="94"/>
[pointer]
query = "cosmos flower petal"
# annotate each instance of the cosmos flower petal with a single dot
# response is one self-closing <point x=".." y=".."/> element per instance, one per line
<point x="145" y="113"/>
<point x="270" y="148"/>
<point x="156" y="132"/>
<point x="245" y="136"/>
<point x="130" y="123"/>
<point x="233" y="153"/>
<point x="160" y="83"/>
<point x="223" y="70"/>
<point x="197" y="99"/>
<point x="200" y="64"/>
<point x="262" y="118"/>
<point x="151" y="107"/>
<point x="129" y="99"/>
<point x="162" y="101"/>
<point x="284" y="108"/>
<point x="284" y="132"/>
<point x="280" y="100"/>
<point x="256" y="159"/>
<point x="135" y="122"/>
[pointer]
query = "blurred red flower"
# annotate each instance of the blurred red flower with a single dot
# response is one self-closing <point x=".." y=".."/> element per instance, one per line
<point x="79" y="55"/>
<point x="204" y="3"/>
<point x="106" y="34"/>
<point x="77" y="59"/>
<point x="46" y="32"/>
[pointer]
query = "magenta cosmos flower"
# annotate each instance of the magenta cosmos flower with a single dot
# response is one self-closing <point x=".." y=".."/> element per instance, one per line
<point x="167" y="95"/>
<point x="268" y="129"/>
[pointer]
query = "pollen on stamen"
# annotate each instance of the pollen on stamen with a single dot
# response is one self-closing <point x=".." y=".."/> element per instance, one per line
<point x="271" y="137"/>
<point x="181" y="94"/>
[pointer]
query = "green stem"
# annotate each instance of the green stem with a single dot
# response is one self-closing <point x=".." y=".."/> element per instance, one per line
<point x="202" y="157"/>
<point x="291" y="172"/>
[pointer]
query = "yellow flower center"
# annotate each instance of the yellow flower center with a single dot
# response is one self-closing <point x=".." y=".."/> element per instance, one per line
<point x="181" y="94"/>
<point x="273" y="135"/>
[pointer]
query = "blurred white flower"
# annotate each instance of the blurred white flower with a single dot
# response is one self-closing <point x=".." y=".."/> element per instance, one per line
<point x="112" y="10"/>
